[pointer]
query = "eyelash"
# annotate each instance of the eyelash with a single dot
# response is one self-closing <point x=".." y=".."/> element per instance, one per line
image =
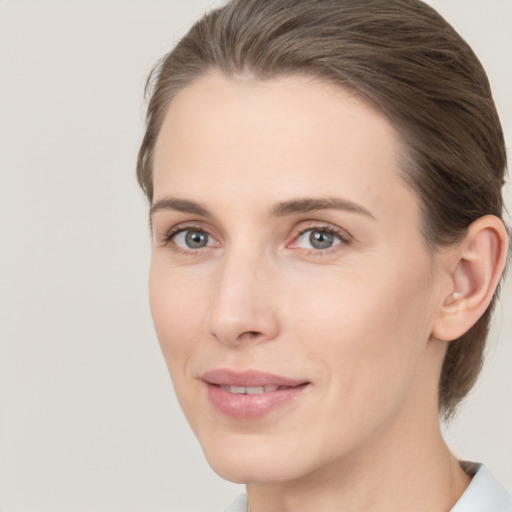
<point x="345" y="238"/>
<point x="176" y="230"/>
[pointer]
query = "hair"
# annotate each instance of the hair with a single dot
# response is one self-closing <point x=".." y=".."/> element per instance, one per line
<point x="402" y="56"/>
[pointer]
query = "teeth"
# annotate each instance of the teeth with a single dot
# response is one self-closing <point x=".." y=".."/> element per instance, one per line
<point x="250" y="390"/>
<point x="257" y="390"/>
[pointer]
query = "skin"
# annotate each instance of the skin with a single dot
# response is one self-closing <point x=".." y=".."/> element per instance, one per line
<point x="361" y="321"/>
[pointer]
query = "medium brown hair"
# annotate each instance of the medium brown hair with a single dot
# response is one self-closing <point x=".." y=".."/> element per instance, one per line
<point x="403" y="57"/>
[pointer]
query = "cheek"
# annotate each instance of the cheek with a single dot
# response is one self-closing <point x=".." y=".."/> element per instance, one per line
<point x="347" y="303"/>
<point x="369" y="329"/>
<point x="177" y="307"/>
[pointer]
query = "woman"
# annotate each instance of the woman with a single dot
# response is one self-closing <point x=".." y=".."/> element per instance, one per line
<point x="324" y="179"/>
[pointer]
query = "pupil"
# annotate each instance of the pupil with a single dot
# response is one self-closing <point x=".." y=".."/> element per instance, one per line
<point x="320" y="239"/>
<point x="196" y="239"/>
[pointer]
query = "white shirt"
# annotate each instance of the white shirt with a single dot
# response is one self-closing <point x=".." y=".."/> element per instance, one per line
<point x="484" y="494"/>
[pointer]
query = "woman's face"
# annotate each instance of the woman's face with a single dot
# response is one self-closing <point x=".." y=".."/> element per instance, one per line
<point x="290" y="287"/>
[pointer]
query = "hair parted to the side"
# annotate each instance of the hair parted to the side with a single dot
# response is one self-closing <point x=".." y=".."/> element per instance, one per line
<point x="406" y="59"/>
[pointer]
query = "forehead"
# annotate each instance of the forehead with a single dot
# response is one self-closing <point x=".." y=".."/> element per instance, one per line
<point x="292" y="135"/>
<point x="268" y="114"/>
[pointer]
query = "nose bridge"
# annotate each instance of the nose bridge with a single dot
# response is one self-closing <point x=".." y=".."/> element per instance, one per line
<point x="241" y="305"/>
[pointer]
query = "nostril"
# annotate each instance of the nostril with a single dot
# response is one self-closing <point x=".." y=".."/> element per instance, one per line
<point x="250" y="334"/>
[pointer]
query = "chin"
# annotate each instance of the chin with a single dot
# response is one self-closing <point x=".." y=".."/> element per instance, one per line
<point x="241" y="470"/>
<point x="257" y="459"/>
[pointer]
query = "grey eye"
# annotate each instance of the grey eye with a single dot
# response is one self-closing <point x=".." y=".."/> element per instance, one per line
<point x="192" y="239"/>
<point x="317" y="239"/>
<point x="321" y="239"/>
<point x="196" y="239"/>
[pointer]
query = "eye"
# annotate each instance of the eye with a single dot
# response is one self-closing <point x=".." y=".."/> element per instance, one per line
<point x="318" y="239"/>
<point x="192" y="239"/>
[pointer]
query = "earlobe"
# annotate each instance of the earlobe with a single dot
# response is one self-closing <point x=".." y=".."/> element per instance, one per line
<point x="479" y="260"/>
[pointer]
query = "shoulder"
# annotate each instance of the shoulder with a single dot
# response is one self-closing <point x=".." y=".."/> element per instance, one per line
<point x="484" y="494"/>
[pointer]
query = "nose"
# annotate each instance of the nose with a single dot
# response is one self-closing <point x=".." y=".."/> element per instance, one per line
<point x="243" y="301"/>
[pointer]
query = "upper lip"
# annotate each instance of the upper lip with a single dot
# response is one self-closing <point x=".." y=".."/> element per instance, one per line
<point x="254" y="378"/>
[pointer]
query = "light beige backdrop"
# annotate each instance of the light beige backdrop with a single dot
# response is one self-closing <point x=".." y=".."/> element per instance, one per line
<point x="88" y="419"/>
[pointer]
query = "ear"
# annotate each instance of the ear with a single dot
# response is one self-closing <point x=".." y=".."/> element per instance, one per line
<point x="475" y="270"/>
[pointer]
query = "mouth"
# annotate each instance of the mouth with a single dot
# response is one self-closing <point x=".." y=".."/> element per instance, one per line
<point x="251" y="394"/>
<point x="252" y="390"/>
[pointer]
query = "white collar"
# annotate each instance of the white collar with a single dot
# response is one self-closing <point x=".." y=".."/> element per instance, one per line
<point x="484" y="494"/>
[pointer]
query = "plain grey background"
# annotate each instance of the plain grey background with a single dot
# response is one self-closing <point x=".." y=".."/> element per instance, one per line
<point x="88" y="419"/>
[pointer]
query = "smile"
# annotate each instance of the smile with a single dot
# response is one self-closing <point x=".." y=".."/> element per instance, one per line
<point x="250" y="390"/>
<point x="250" y="395"/>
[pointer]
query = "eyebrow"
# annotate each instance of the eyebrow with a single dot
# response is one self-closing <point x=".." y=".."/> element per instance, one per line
<point x="307" y="204"/>
<point x="180" y="205"/>
<point x="281" y="209"/>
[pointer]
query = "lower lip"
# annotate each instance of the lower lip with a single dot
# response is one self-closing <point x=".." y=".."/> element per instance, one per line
<point x="251" y="407"/>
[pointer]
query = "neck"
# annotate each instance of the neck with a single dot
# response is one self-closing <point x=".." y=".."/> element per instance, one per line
<point x="422" y="475"/>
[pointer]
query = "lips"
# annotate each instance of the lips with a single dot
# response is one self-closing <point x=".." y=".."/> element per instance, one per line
<point x="251" y="394"/>
<point x="250" y="390"/>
